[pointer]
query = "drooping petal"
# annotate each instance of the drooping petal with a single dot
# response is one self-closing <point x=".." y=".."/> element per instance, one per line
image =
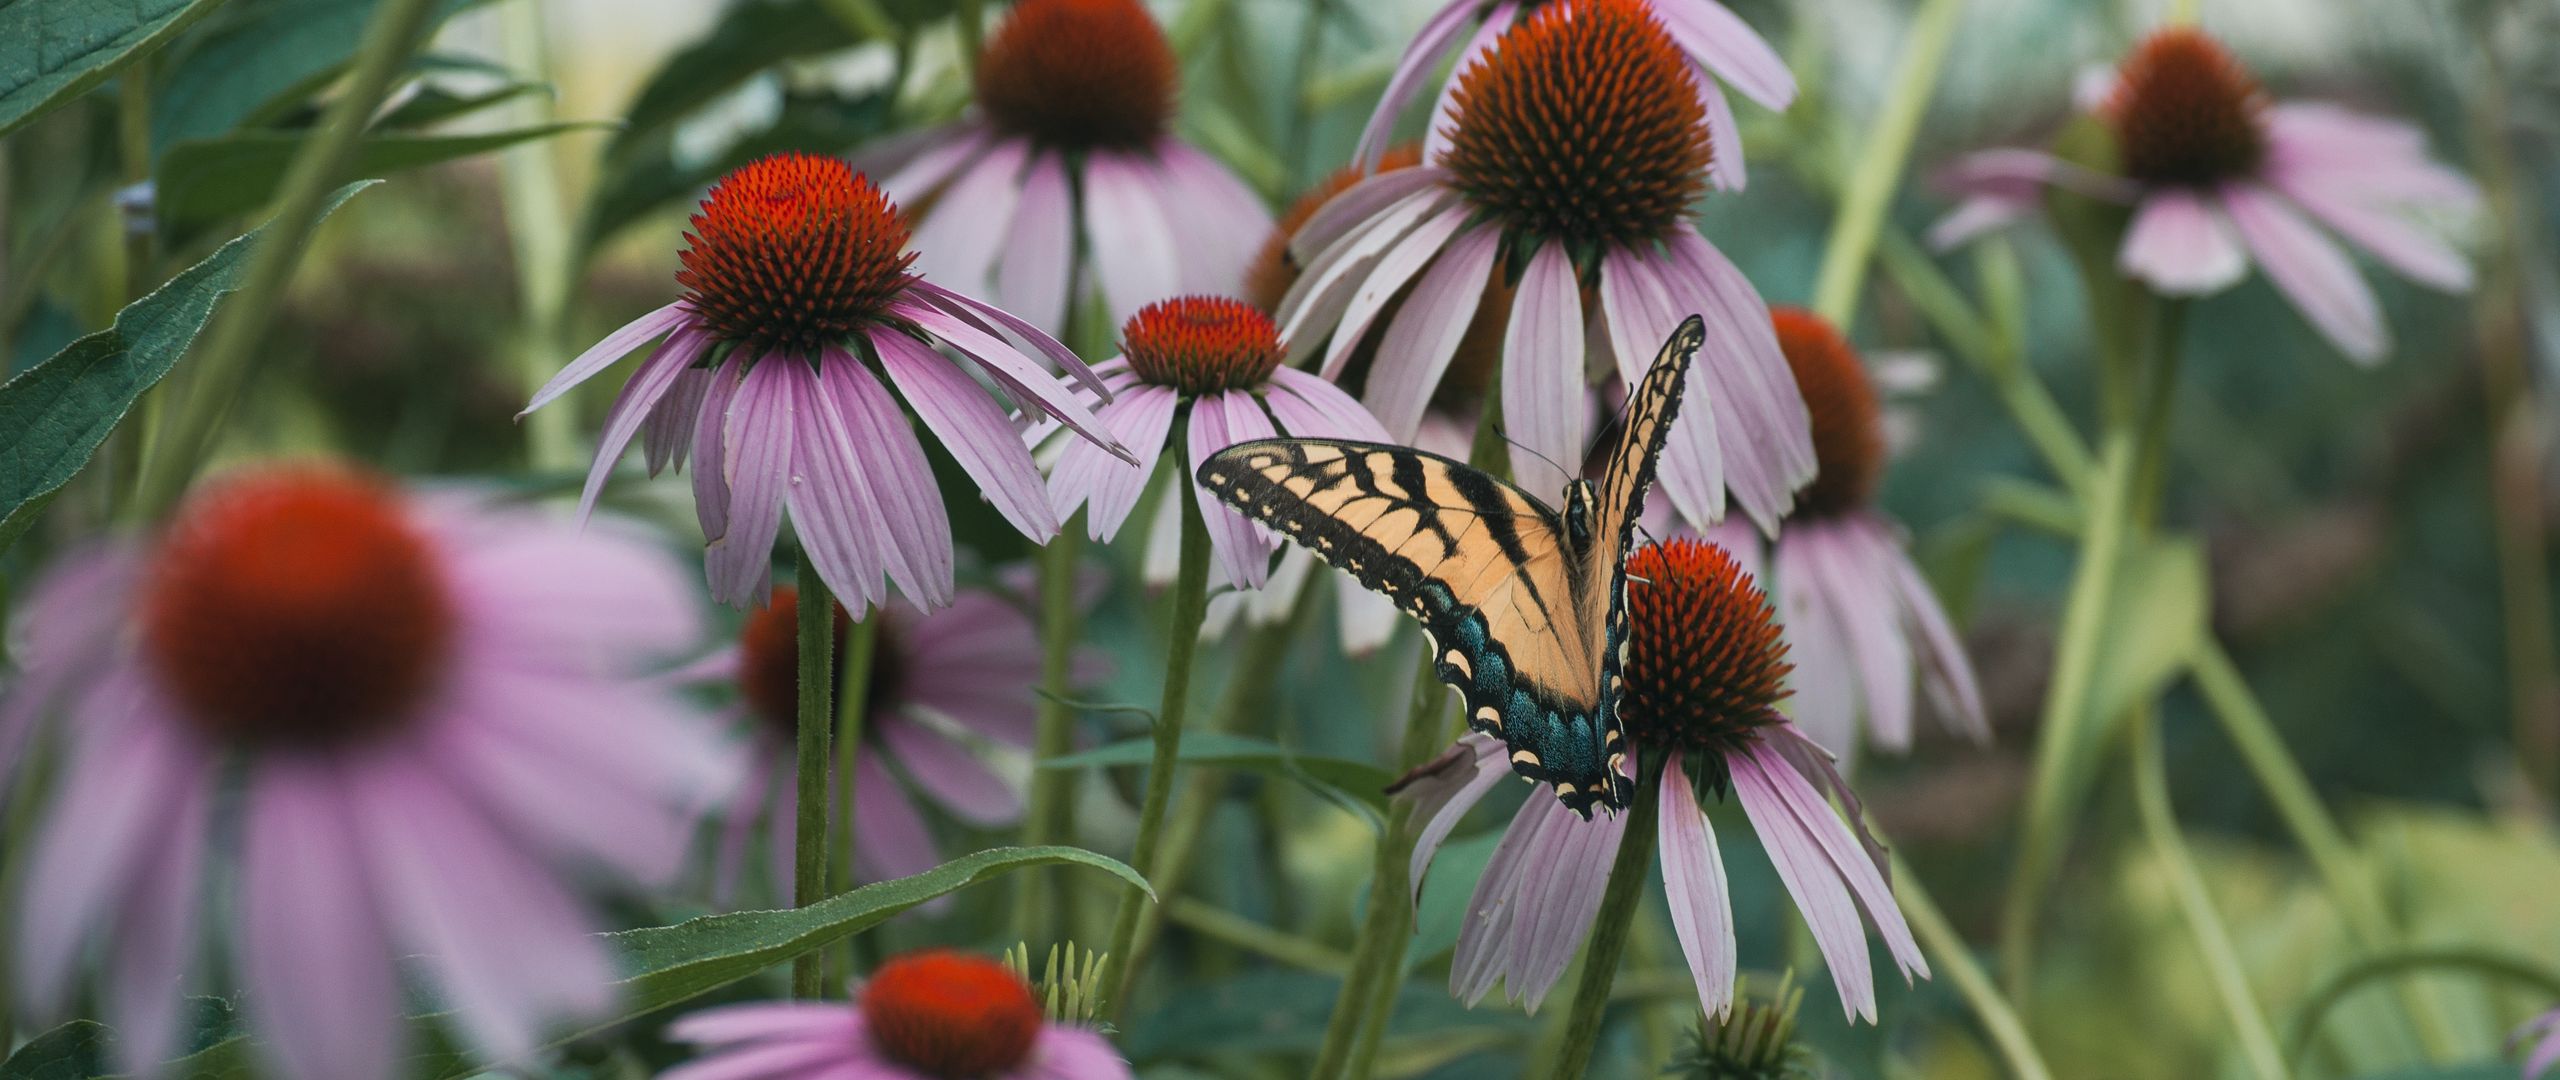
<point x="1868" y="612"/>
<point x="922" y="174"/>
<point x="1360" y="206"/>
<point x="1692" y="465"/>
<point x="1564" y="915"/>
<point x="155" y="934"/>
<point x="1032" y="275"/>
<point x="1806" y="870"/>
<point x="1420" y="344"/>
<point x="1420" y="58"/>
<point x="1760" y="416"/>
<point x="1398" y="266"/>
<point x="921" y="557"/>
<point x="951" y="774"/>
<point x="1445" y="788"/>
<point x="602" y="354"/>
<point x="607" y="599"/>
<point x="2181" y="246"/>
<point x="760" y="1021"/>
<point x="1135" y="252"/>
<point x="1542" y="380"/>
<point x="1944" y="666"/>
<point x="1974" y="217"/>
<point x="1825" y="698"/>
<point x="667" y="432"/>
<point x="844" y="530"/>
<point x="1221" y="222"/>
<point x="2373" y="158"/>
<point x="656" y="376"/>
<point x="1331" y="412"/>
<point x="1243" y="548"/>
<point x="313" y="955"/>
<point x="988" y="316"/>
<point x="2310" y="270"/>
<point x="1107" y="487"/>
<point x="1693" y="880"/>
<point x="974" y="429"/>
<point x="1061" y="1052"/>
<point x="1728" y="46"/>
<point x="710" y="450"/>
<point x="1001" y="357"/>
<point x="956" y="242"/>
<point x="1313" y="309"/>
<point x="894" y="842"/>
<point x="813" y="1059"/>
<point x="1444" y="106"/>
<point x="2386" y="236"/>
<point x="1848" y="858"/>
<point x="1725" y="167"/>
<point x="755" y="463"/>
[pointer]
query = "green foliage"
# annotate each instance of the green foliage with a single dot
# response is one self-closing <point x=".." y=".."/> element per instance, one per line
<point x="54" y="50"/>
<point x="57" y="414"/>
<point x="257" y="60"/>
<point x="73" y="1051"/>
<point x="206" y="181"/>
<point x="1357" y="781"/>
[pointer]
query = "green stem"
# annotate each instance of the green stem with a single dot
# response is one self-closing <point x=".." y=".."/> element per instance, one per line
<point x="538" y="232"/>
<point x="2213" y="939"/>
<point x="817" y="719"/>
<point x="1888" y="146"/>
<point x="1628" y="878"/>
<point x="2151" y="453"/>
<point x="2059" y="768"/>
<point x="1993" y="351"/>
<point x="1216" y="923"/>
<point x="1189" y="605"/>
<point x="852" y="705"/>
<point x="1041" y="905"/>
<point x="2008" y="1032"/>
<point x="231" y="346"/>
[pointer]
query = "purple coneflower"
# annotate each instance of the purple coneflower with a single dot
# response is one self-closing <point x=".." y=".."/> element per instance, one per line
<point x="1576" y="146"/>
<point x="1705" y="669"/>
<point x="1215" y="361"/>
<point x="1071" y="140"/>
<point x="931" y="1015"/>
<point x="796" y="287"/>
<point x="1859" y="617"/>
<point x="2219" y="177"/>
<point x="411" y="714"/>
<point x="936" y="679"/>
<point x="1717" y="44"/>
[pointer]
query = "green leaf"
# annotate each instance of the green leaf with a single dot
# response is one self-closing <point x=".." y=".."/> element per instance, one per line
<point x="434" y="104"/>
<point x="2161" y="614"/>
<point x="259" y="58"/>
<point x="54" y="416"/>
<point x="749" y="38"/>
<point x="54" y="50"/>
<point x="74" y="1051"/>
<point x="1362" y="782"/>
<point x="208" y="180"/>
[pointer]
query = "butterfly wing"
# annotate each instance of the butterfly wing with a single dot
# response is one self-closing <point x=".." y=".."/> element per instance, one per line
<point x="1485" y="567"/>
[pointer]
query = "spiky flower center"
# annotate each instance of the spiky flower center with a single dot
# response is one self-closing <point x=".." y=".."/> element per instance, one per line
<point x="2185" y="112"/>
<point x="951" y="1015"/>
<point x="1848" y="425"/>
<point x="1704" y="660"/>
<point x="1202" y="344"/>
<point x="1079" y="74"/>
<point x="1582" y="124"/>
<point x="296" y="607"/>
<point x="769" y="663"/>
<point x="793" y="252"/>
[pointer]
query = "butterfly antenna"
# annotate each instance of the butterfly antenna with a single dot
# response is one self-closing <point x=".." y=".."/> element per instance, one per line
<point x="1501" y="433"/>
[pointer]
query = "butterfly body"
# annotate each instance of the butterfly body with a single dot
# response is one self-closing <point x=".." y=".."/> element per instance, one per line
<point x="1523" y="607"/>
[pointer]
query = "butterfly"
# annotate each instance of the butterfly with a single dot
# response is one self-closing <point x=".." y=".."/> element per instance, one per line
<point x="1524" y="607"/>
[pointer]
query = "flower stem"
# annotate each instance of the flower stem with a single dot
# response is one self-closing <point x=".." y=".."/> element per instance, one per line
<point x="538" y="232"/>
<point x="817" y="644"/>
<point x="2008" y="1032"/>
<point x="1189" y="605"/>
<point x="853" y="697"/>
<point x="1040" y="906"/>
<point x="2213" y="939"/>
<point x="1888" y="145"/>
<point x="397" y="29"/>
<point x="2062" y="763"/>
<point x="1628" y="877"/>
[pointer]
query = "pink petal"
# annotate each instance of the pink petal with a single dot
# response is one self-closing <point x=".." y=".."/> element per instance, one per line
<point x="1443" y="790"/>
<point x="1570" y="903"/>
<point x="1219" y="421"/>
<point x="951" y="774"/>
<point x="981" y="313"/>
<point x="667" y="432"/>
<point x="1975" y="217"/>
<point x="1948" y="670"/>
<point x="1841" y="846"/>
<point x="1222" y="222"/>
<point x="2310" y="270"/>
<point x="894" y="841"/>
<point x="2386" y="236"/>
<point x="312" y="953"/>
<point x="1692" y="466"/>
<point x="1341" y="417"/>
<point x="1766" y="434"/>
<point x="1426" y="332"/>
<point x="1106" y="486"/>
<point x="755" y="463"/>
<point x="974" y="429"/>
<point x="606" y="599"/>
<point x="1134" y="250"/>
<point x="602" y="354"/>
<point x="957" y="240"/>
<point x="1725" y="168"/>
<point x="1825" y="682"/>
<point x="1693" y="879"/>
<point x="1313" y="309"/>
<point x="657" y="375"/>
<point x="921" y="556"/>
<point x="1359" y="206"/>
<point x="1728" y="46"/>
<point x="1812" y="880"/>
<point x="1398" y="266"/>
<point x="2375" y="159"/>
<point x="710" y="453"/>
<point x="763" y="1020"/>
<point x="844" y="531"/>
<point x="2181" y="246"/>
<point x="1869" y="615"/>
<point x="1000" y="356"/>
<point x="155" y="935"/>
<point x="1419" y="59"/>
<point x="1497" y="20"/>
<point x="1032" y="277"/>
<point x="1069" y="1053"/>
<point x="922" y="175"/>
<point x="1542" y="387"/>
<point x="799" y="1059"/>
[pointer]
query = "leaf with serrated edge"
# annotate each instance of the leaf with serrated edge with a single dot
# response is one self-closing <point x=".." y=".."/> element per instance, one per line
<point x="52" y="51"/>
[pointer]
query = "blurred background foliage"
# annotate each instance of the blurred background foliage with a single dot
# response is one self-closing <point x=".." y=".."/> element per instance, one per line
<point x="543" y="154"/>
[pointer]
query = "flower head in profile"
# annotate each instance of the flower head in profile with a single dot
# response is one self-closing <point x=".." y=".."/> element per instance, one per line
<point x="931" y="1015"/>
<point x="392" y="724"/>
<point x="2219" y="177"/>
<point x="1705" y="670"/>
<point x="799" y="296"/>
<point x="1576" y="145"/>
<point x="1717" y="46"/>
<point x="938" y="682"/>
<point x="1860" y="620"/>
<point x="1071" y="149"/>
<point x="1214" y="364"/>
